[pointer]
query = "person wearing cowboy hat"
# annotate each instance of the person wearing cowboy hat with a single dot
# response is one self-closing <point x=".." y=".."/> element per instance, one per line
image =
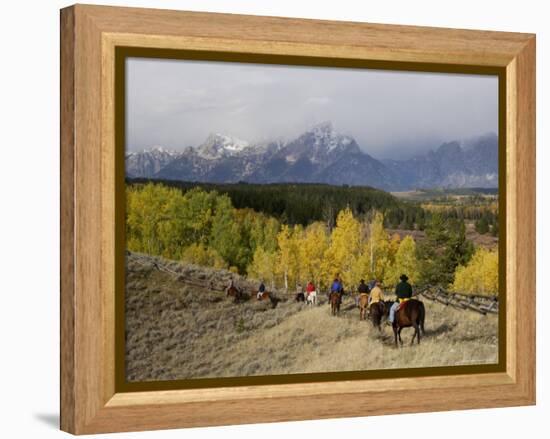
<point x="403" y="292"/>
<point x="376" y="294"/>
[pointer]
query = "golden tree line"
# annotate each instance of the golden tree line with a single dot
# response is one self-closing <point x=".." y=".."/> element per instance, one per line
<point x="480" y="275"/>
<point x="203" y="227"/>
<point x="353" y="250"/>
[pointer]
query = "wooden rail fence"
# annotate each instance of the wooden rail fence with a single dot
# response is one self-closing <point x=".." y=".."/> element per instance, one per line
<point x="478" y="303"/>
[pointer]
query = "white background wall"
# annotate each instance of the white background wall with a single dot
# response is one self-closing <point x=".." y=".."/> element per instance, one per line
<point x="29" y="219"/>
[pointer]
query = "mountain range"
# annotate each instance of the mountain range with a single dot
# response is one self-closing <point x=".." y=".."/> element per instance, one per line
<point x="320" y="155"/>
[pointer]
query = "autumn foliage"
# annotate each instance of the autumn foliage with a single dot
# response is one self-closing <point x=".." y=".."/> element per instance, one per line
<point x="202" y="227"/>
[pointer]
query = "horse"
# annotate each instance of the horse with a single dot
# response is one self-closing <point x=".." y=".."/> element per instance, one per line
<point x="266" y="295"/>
<point x="363" y="306"/>
<point x="311" y="298"/>
<point x="300" y="297"/>
<point x="335" y="299"/>
<point x="412" y="313"/>
<point x="235" y="292"/>
<point x="379" y="310"/>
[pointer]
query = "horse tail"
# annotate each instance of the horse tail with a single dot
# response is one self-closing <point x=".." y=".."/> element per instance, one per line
<point x="421" y="316"/>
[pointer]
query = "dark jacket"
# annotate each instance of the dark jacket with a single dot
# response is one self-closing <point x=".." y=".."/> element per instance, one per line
<point x="363" y="288"/>
<point x="262" y="288"/>
<point x="403" y="290"/>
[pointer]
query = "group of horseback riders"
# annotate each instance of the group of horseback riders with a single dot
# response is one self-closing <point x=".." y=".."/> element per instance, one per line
<point x="403" y="292"/>
<point x="373" y="290"/>
<point x="401" y="312"/>
<point x="370" y="299"/>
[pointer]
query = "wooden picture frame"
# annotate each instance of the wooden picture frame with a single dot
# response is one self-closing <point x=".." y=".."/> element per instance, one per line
<point x="91" y="402"/>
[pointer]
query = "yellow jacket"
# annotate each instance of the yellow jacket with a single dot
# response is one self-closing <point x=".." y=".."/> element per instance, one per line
<point x="376" y="295"/>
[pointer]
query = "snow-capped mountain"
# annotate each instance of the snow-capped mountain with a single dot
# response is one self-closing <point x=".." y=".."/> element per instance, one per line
<point x="219" y="146"/>
<point x="320" y="144"/>
<point x="148" y="162"/>
<point x="321" y="155"/>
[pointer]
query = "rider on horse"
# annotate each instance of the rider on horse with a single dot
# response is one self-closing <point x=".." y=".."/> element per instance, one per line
<point x="403" y="291"/>
<point x="362" y="289"/>
<point x="261" y="290"/>
<point x="336" y="287"/>
<point x="310" y="288"/>
<point x="376" y="294"/>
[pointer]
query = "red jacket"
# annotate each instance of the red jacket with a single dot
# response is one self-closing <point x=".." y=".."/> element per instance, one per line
<point x="310" y="287"/>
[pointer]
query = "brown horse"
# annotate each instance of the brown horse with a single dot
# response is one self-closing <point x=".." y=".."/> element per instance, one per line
<point x="363" y="306"/>
<point x="378" y="311"/>
<point x="412" y="313"/>
<point x="236" y="293"/>
<point x="266" y="295"/>
<point x="335" y="299"/>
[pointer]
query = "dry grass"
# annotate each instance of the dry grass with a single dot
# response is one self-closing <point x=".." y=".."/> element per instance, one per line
<point x="175" y="331"/>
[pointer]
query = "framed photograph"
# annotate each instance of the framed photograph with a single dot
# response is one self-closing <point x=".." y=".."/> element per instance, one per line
<point x="263" y="214"/>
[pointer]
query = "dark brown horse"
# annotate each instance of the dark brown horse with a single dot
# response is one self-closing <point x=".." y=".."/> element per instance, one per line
<point x="412" y="313"/>
<point x="378" y="311"/>
<point x="236" y="293"/>
<point x="335" y="300"/>
<point x="363" y="306"/>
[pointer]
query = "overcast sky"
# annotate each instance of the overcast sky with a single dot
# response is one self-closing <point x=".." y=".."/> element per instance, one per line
<point x="176" y="103"/>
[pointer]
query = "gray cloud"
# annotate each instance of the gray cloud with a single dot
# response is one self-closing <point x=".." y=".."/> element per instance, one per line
<point x="391" y="114"/>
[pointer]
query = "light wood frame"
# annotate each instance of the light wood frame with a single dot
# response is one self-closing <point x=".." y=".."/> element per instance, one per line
<point x="89" y="36"/>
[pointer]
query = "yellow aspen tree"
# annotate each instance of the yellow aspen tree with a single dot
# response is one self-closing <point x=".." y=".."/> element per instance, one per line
<point x="361" y="267"/>
<point x="284" y="242"/>
<point x="490" y="272"/>
<point x="263" y="266"/>
<point x="406" y="262"/>
<point x="378" y="249"/>
<point x="312" y="251"/>
<point x="480" y="275"/>
<point x="395" y="242"/>
<point x="199" y="254"/>
<point x="296" y="262"/>
<point x="146" y="207"/>
<point x="344" y="247"/>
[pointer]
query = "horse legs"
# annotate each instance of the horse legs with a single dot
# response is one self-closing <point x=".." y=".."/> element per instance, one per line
<point x="399" y="334"/>
<point x="395" y="334"/>
<point x="416" y="333"/>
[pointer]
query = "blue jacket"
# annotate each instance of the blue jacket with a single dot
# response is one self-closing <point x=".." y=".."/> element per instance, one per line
<point x="336" y="286"/>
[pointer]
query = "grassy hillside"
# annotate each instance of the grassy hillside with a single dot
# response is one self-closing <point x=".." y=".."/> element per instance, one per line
<point x="182" y="328"/>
